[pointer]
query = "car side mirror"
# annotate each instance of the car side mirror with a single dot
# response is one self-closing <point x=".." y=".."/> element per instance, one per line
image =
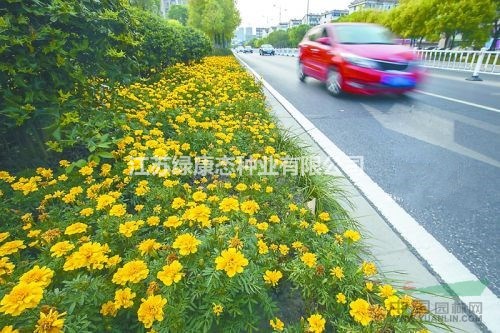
<point x="324" y="41"/>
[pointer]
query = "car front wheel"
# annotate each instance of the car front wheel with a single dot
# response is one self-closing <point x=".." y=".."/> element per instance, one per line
<point x="333" y="82"/>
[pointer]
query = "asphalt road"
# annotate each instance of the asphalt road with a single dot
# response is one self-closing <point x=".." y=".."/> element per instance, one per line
<point x="439" y="159"/>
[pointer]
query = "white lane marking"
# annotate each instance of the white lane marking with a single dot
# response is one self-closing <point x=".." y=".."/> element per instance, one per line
<point x="442" y="262"/>
<point x="458" y="101"/>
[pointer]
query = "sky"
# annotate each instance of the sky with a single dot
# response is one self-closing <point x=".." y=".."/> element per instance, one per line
<point x="264" y="13"/>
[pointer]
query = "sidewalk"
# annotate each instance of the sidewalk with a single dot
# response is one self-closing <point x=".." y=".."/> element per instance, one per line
<point x="392" y="255"/>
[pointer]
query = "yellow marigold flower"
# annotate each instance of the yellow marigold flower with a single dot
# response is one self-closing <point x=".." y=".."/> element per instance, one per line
<point x="263" y="248"/>
<point x="199" y="213"/>
<point x="171" y="273"/>
<point x="86" y="212"/>
<point x="86" y="171"/>
<point x="353" y="235"/>
<point x="4" y="236"/>
<point x="228" y="204"/>
<point x="274" y="219"/>
<point x="269" y="189"/>
<point x="303" y="225"/>
<point x="172" y="222"/>
<point x="277" y="325"/>
<point x="105" y="200"/>
<point x="124" y="298"/>
<point x="338" y="272"/>
<point x="309" y="259"/>
<point x="151" y="309"/>
<point x="9" y="329"/>
<point x="6" y="267"/>
<point x="186" y="243"/>
<point x="76" y="228"/>
<point x="407" y="300"/>
<point x="128" y="228"/>
<point x="320" y="228"/>
<point x="232" y="261"/>
<point x="118" y="210"/>
<point x="369" y="268"/>
<point x="252" y="221"/>
<point x="250" y="207"/>
<point x="369" y="286"/>
<point x="153" y="221"/>
<point x="178" y="203"/>
<point x="199" y="196"/>
<point x="50" y="322"/>
<point x="113" y="261"/>
<point x="90" y="255"/>
<point x="263" y="226"/>
<point x="241" y="187"/>
<point x="293" y="207"/>
<point x="38" y="276"/>
<point x="217" y="309"/>
<point x="138" y="208"/>
<point x="284" y="249"/>
<point x="341" y="298"/>
<point x="272" y="277"/>
<point x="297" y="245"/>
<point x="109" y="309"/>
<point x="34" y="233"/>
<point x="105" y="169"/>
<point x="23" y="296"/>
<point x="386" y="290"/>
<point x="393" y="305"/>
<point x="148" y="246"/>
<point x="316" y="323"/>
<point x="133" y="271"/>
<point x="324" y="216"/>
<point x="11" y="247"/>
<point x="360" y="311"/>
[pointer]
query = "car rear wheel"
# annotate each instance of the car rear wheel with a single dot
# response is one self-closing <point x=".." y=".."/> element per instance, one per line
<point x="333" y="82"/>
<point x="300" y="72"/>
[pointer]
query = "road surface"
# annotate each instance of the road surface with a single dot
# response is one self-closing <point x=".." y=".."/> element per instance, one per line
<point x="436" y="151"/>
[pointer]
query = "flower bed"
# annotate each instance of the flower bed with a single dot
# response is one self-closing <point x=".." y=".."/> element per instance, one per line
<point x="205" y="239"/>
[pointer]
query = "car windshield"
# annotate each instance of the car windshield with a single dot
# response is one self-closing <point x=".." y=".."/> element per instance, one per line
<point x="267" y="46"/>
<point x="363" y="34"/>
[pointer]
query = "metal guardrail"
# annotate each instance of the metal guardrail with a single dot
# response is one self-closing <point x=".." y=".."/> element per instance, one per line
<point x="477" y="61"/>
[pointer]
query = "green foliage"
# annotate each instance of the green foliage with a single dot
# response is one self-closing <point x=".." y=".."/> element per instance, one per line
<point x="277" y="38"/>
<point x="217" y="18"/>
<point x="179" y="13"/>
<point x="296" y="34"/>
<point x="56" y="52"/>
<point x="152" y="6"/>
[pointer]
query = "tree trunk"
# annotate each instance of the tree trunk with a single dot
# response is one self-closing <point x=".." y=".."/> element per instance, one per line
<point x="453" y="41"/>
<point x="446" y="41"/>
<point x="496" y="36"/>
<point x="420" y="42"/>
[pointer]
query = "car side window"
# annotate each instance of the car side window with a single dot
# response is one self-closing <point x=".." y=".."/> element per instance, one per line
<point x="314" y="34"/>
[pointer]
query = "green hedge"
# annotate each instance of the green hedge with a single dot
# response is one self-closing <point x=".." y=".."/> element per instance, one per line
<point x="55" y="51"/>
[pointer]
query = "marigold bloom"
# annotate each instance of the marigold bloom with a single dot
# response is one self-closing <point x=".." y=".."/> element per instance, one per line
<point x="151" y="309"/>
<point x="353" y="235"/>
<point x="9" y="329"/>
<point x="178" y="203"/>
<point x="4" y="236"/>
<point x="369" y="268"/>
<point x="6" y="267"/>
<point x="217" y="309"/>
<point x="338" y="272"/>
<point x="263" y="248"/>
<point x="76" y="228"/>
<point x="274" y="219"/>
<point x="241" y="187"/>
<point x="105" y="200"/>
<point x="124" y="298"/>
<point x="171" y="273"/>
<point x="173" y="222"/>
<point x="128" y="228"/>
<point x="232" y="261"/>
<point x="360" y="311"/>
<point x="118" y="210"/>
<point x="324" y="216"/>
<point x="277" y="324"/>
<point x="272" y="277"/>
<point x="309" y="259"/>
<point x="386" y="290"/>
<point x="109" y="309"/>
<point x="393" y="305"/>
<point x="61" y="248"/>
<point x="50" y="322"/>
<point x="11" y="247"/>
<point x="90" y="255"/>
<point x="250" y="207"/>
<point x="284" y="249"/>
<point x="320" y="228"/>
<point x="316" y="323"/>
<point x="341" y="298"/>
<point x="199" y="196"/>
<point x="133" y="271"/>
<point x="229" y="204"/>
<point x="39" y="276"/>
<point x="199" y="213"/>
<point x="148" y="246"/>
<point x="186" y="243"/>
<point x="23" y="296"/>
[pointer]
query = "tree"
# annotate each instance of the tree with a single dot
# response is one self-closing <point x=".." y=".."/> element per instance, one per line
<point x="217" y="18"/>
<point x="296" y="34"/>
<point x="366" y="16"/>
<point x="179" y="13"/>
<point x="409" y="20"/>
<point x="152" y="6"/>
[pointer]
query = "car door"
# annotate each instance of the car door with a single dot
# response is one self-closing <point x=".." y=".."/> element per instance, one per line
<point x="322" y="53"/>
<point x="307" y="53"/>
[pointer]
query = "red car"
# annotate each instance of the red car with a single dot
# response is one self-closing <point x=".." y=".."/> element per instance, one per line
<point x="358" y="58"/>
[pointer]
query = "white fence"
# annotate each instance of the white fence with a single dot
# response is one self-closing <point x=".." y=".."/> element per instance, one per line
<point x="476" y="61"/>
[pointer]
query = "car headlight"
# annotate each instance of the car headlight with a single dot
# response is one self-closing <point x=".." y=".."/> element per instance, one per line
<point x="359" y="61"/>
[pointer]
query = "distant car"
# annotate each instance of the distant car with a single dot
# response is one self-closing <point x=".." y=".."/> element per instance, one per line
<point x="248" y="49"/>
<point x="267" y="49"/>
<point x="358" y="58"/>
<point x="240" y="49"/>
